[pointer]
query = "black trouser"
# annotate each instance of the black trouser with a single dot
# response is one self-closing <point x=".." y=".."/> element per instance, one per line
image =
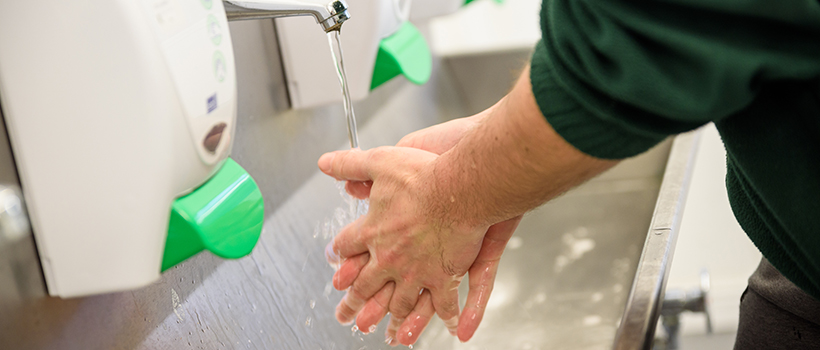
<point x="776" y="314"/>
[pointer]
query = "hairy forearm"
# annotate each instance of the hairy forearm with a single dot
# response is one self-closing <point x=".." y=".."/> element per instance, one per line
<point x="513" y="161"/>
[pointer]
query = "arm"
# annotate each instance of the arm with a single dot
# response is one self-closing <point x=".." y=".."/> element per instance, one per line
<point x="512" y="162"/>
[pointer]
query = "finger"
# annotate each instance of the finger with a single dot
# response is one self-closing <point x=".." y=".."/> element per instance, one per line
<point x="418" y="319"/>
<point x="359" y="189"/>
<point x="496" y="238"/>
<point x="349" y="242"/>
<point x="404" y="300"/>
<point x="482" y="276"/>
<point x="392" y="330"/>
<point x="364" y="287"/>
<point x="349" y="270"/>
<point x="446" y="305"/>
<point x="346" y="165"/>
<point x="375" y="309"/>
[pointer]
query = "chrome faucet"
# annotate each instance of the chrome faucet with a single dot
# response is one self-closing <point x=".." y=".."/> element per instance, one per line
<point x="329" y="16"/>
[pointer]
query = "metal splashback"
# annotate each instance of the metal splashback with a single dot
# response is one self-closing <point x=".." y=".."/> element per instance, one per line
<point x="562" y="284"/>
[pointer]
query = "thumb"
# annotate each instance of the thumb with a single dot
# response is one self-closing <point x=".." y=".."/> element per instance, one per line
<point x="346" y="165"/>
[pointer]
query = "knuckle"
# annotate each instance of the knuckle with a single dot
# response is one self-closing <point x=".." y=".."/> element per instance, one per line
<point x="403" y="305"/>
<point x="449" y="306"/>
<point x="358" y="290"/>
<point x="376" y="155"/>
<point x="449" y="267"/>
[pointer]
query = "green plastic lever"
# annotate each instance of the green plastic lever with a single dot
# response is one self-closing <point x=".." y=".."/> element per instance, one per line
<point x="224" y="216"/>
<point x="405" y="52"/>
<point x="469" y="1"/>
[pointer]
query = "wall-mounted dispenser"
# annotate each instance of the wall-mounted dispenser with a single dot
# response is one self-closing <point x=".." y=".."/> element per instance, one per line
<point x="121" y="116"/>
<point x="378" y="45"/>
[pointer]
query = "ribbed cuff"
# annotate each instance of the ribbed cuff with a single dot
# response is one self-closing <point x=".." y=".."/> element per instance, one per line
<point x="600" y="136"/>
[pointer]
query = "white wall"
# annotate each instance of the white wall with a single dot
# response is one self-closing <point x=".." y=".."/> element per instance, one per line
<point x="710" y="238"/>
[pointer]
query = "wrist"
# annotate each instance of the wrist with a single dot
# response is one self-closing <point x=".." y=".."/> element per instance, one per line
<point x="455" y="201"/>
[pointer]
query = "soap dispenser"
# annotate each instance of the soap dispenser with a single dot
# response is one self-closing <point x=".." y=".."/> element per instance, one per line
<point x="121" y="115"/>
<point x="379" y="45"/>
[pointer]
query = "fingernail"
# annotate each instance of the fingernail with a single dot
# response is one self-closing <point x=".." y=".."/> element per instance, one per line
<point x="325" y="161"/>
<point x="331" y="256"/>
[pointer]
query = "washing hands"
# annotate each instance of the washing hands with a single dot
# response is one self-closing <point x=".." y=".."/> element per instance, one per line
<point x="443" y="204"/>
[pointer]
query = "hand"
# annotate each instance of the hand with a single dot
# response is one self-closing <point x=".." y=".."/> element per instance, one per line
<point x="410" y="240"/>
<point x="406" y="331"/>
<point x="437" y="139"/>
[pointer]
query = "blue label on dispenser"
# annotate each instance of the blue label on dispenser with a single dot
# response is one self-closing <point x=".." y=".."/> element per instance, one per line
<point x="211" y="103"/>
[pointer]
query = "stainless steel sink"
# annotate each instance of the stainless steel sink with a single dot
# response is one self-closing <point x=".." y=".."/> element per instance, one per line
<point x="563" y="282"/>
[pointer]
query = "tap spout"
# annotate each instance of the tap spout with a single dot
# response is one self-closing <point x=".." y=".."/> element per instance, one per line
<point x="329" y="16"/>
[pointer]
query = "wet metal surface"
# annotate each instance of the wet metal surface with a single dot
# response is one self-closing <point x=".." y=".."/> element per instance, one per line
<point x="564" y="277"/>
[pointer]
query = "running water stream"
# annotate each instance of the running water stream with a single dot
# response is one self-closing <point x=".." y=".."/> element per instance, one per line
<point x="338" y="58"/>
<point x="355" y="207"/>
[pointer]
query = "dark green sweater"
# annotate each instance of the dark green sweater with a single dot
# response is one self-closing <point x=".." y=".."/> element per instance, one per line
<point x="615" y="78"/>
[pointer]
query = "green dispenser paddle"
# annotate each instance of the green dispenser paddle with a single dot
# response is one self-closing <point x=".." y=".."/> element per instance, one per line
<point x="405" y="52"/>
<point x="224" y="216"/>
<point x="469" y="1"/>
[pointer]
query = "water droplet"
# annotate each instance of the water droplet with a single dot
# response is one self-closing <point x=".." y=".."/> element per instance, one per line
<point x="312" y="304"/>
<point x="308" y="322"/>
<point x="409" y="334"/>
<point x="410" y="346"/>
<point x="372" y="328"/>
<point x="515" y="243"/>
<point x="592" y="320"/>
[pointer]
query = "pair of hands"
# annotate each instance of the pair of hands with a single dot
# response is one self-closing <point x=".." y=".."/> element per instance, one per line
<point x="407" y="255"/>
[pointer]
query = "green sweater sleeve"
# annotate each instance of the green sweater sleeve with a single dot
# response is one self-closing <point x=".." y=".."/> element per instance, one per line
<point x="616" y="77"/>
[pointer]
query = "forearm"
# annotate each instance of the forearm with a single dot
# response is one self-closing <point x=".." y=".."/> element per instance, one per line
<point x="513" y="161"/>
